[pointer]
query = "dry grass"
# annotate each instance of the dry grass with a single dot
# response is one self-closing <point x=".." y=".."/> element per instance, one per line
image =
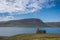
<point x="35" y="37"/>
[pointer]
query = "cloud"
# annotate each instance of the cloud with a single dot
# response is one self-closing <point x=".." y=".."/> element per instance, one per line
<point x="7" y="18"/>
<point x="15" y="7"/>
<point x="24" y="6"/>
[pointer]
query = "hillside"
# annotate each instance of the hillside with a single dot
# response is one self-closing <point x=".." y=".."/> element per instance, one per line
<point x="32" y="22"/>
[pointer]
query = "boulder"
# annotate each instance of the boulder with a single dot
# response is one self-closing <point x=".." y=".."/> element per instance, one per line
<point x="40" y="31"/>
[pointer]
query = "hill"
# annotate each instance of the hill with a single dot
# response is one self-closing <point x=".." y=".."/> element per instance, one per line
<point x="32" y="22"/>
<point x="53" y="24"/>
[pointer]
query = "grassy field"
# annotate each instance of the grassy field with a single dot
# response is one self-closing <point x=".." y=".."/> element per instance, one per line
<point x="34" y="37"/>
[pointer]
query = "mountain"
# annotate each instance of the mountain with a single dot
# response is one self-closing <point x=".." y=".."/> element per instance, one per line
<point x="31" y="22"/>
<point x="53" y="24"/>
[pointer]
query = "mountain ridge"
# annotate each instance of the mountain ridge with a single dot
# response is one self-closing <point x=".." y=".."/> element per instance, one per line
<point x="30" y="22"/>
<point x="23" y="22"/>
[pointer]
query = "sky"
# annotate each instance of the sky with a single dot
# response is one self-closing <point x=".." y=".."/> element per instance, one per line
<point x="46" y="10"/>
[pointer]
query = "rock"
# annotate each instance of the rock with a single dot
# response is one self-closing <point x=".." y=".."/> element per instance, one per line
<point x="40" y="31"/>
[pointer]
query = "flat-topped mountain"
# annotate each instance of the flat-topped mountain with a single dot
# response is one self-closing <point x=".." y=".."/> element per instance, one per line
<point x="31" y="22"/>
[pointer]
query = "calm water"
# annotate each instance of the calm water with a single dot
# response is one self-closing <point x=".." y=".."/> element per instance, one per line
<point x="9" y="31"/>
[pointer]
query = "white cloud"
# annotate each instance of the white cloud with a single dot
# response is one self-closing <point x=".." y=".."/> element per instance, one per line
<point x="14" y="7"/>
<point x="24" y="6"/>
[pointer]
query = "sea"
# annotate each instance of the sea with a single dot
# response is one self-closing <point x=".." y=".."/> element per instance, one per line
<point x="10" y="31"/>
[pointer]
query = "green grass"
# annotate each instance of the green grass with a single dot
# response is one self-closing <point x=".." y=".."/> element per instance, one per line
<point x="34" y="37"/>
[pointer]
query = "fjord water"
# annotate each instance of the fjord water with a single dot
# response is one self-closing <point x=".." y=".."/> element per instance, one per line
<point x="10" y="31"/>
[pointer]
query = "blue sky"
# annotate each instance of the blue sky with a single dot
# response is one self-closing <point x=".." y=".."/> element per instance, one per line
<point x="46" y="15"/>
<point x="50" y="14"/>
